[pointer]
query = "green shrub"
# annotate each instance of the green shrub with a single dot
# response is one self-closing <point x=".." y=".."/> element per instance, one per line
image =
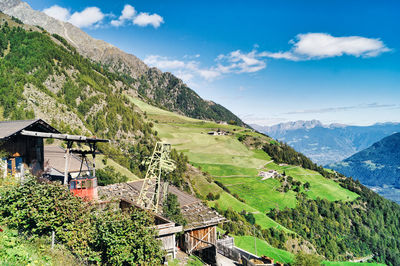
<point x="92" y="235"/>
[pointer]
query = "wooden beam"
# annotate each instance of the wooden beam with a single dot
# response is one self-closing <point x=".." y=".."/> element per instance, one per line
<point x="69" y="144"/>
<point x="76" y="138"/>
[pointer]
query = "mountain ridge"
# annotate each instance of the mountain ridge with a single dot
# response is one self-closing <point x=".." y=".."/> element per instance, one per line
<point x="156" y="82"/>
<point x="326" y="144"/>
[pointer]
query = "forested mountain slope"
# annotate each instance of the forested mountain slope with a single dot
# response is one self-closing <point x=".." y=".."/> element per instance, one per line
<point x="42" y="76"/>
<point x="162" y="89"/>
<point x="377" y="166"/>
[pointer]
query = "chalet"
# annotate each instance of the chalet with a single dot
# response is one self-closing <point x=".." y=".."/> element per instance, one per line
<point x="268" y="174"/>
<point x="200" y="232"/>
<point x="24" y="152"/>
<point x="218" y="133"/>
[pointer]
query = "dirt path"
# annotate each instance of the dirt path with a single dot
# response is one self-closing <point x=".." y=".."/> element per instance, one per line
<point x="230" y="176"/>
<point x="263" y="166"/>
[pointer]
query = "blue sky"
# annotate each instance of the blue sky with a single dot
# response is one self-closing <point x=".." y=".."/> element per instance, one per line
<point x="267" y="61"/>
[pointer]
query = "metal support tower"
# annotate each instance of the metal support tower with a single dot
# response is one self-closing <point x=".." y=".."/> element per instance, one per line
<point x="149" y="197"/>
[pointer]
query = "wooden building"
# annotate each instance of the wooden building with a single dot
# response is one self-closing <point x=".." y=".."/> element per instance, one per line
<point x="200" y="232"/>
<point x="166" y="229"/>
<point x="23" y="151"/>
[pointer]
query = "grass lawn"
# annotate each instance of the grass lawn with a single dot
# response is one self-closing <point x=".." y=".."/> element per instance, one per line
<point x="15" y="250"/>
<point x="346" y="263"/>
<point x="260" y="194"/>
<point x="263" y="248"/>
<point x="226" y="200"/>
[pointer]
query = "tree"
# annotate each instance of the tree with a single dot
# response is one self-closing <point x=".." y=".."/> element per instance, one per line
<point x="109" y="175"/>
<point x="127" y="238"/>
<point x="172" y="210"/>
<point x="250" y="218"/>
<point x="304" y="259"/>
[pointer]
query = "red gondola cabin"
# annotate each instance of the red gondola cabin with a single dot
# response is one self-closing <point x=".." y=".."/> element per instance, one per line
<point x="84" y="187"/>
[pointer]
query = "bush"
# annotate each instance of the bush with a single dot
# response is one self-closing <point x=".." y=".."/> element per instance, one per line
<point x="109" y="237"/>
<point x="303" y="259"/>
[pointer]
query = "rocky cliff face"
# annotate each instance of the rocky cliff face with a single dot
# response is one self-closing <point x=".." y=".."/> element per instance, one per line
<point x="162" y="89"/>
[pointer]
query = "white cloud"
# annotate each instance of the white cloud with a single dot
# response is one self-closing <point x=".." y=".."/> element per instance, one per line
<point x="163" y="62"/>
<point x="86" y="18"/>
<point x="234" y="62"/>
<point x="322" y="45"/>
<point x="127" y="14"/>
<point x="57" y="12"/>
<point x="145" y="19"/>
<point x="209" y="74"/>
<point x="93" y="16"/>
<point x="186" y="70"/>
<point x="342" y="108"/>
<point x="238" y="62"/>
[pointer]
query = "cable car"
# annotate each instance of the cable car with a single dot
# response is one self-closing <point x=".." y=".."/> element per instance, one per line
<point x="84" y="187"/>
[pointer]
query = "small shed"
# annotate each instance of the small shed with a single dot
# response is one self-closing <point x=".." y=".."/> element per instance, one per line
<point x="23" y="151"/>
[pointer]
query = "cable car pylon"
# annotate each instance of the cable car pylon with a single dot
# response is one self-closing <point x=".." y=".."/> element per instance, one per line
<point x="159" y="162"/>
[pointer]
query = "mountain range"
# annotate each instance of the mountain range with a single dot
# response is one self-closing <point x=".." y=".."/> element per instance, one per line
<point x="161" y="89"/>
<point x="326" y="144"/>
<point x="378" y="166"/>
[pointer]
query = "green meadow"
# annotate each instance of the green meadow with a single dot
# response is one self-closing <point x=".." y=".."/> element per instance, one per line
<point x="263" y="248"/>
<point x="347" y="263"/>
<point x="237" y="167"/>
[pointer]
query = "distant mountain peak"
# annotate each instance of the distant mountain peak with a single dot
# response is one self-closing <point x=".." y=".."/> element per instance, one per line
<point x="292" y="125"/>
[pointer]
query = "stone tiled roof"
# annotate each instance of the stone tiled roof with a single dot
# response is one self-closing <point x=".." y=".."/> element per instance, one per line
<point x="193" y="210"/>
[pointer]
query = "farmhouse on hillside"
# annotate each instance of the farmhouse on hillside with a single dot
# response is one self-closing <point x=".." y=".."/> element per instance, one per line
<point x="268" y="174"/>
<point x="22" y="141"/>
<point x="218" y="133"/>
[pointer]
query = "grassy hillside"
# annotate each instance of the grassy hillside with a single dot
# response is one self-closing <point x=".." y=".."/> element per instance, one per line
<point x="236" y="166"/>
<point x="247" y="243"/>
